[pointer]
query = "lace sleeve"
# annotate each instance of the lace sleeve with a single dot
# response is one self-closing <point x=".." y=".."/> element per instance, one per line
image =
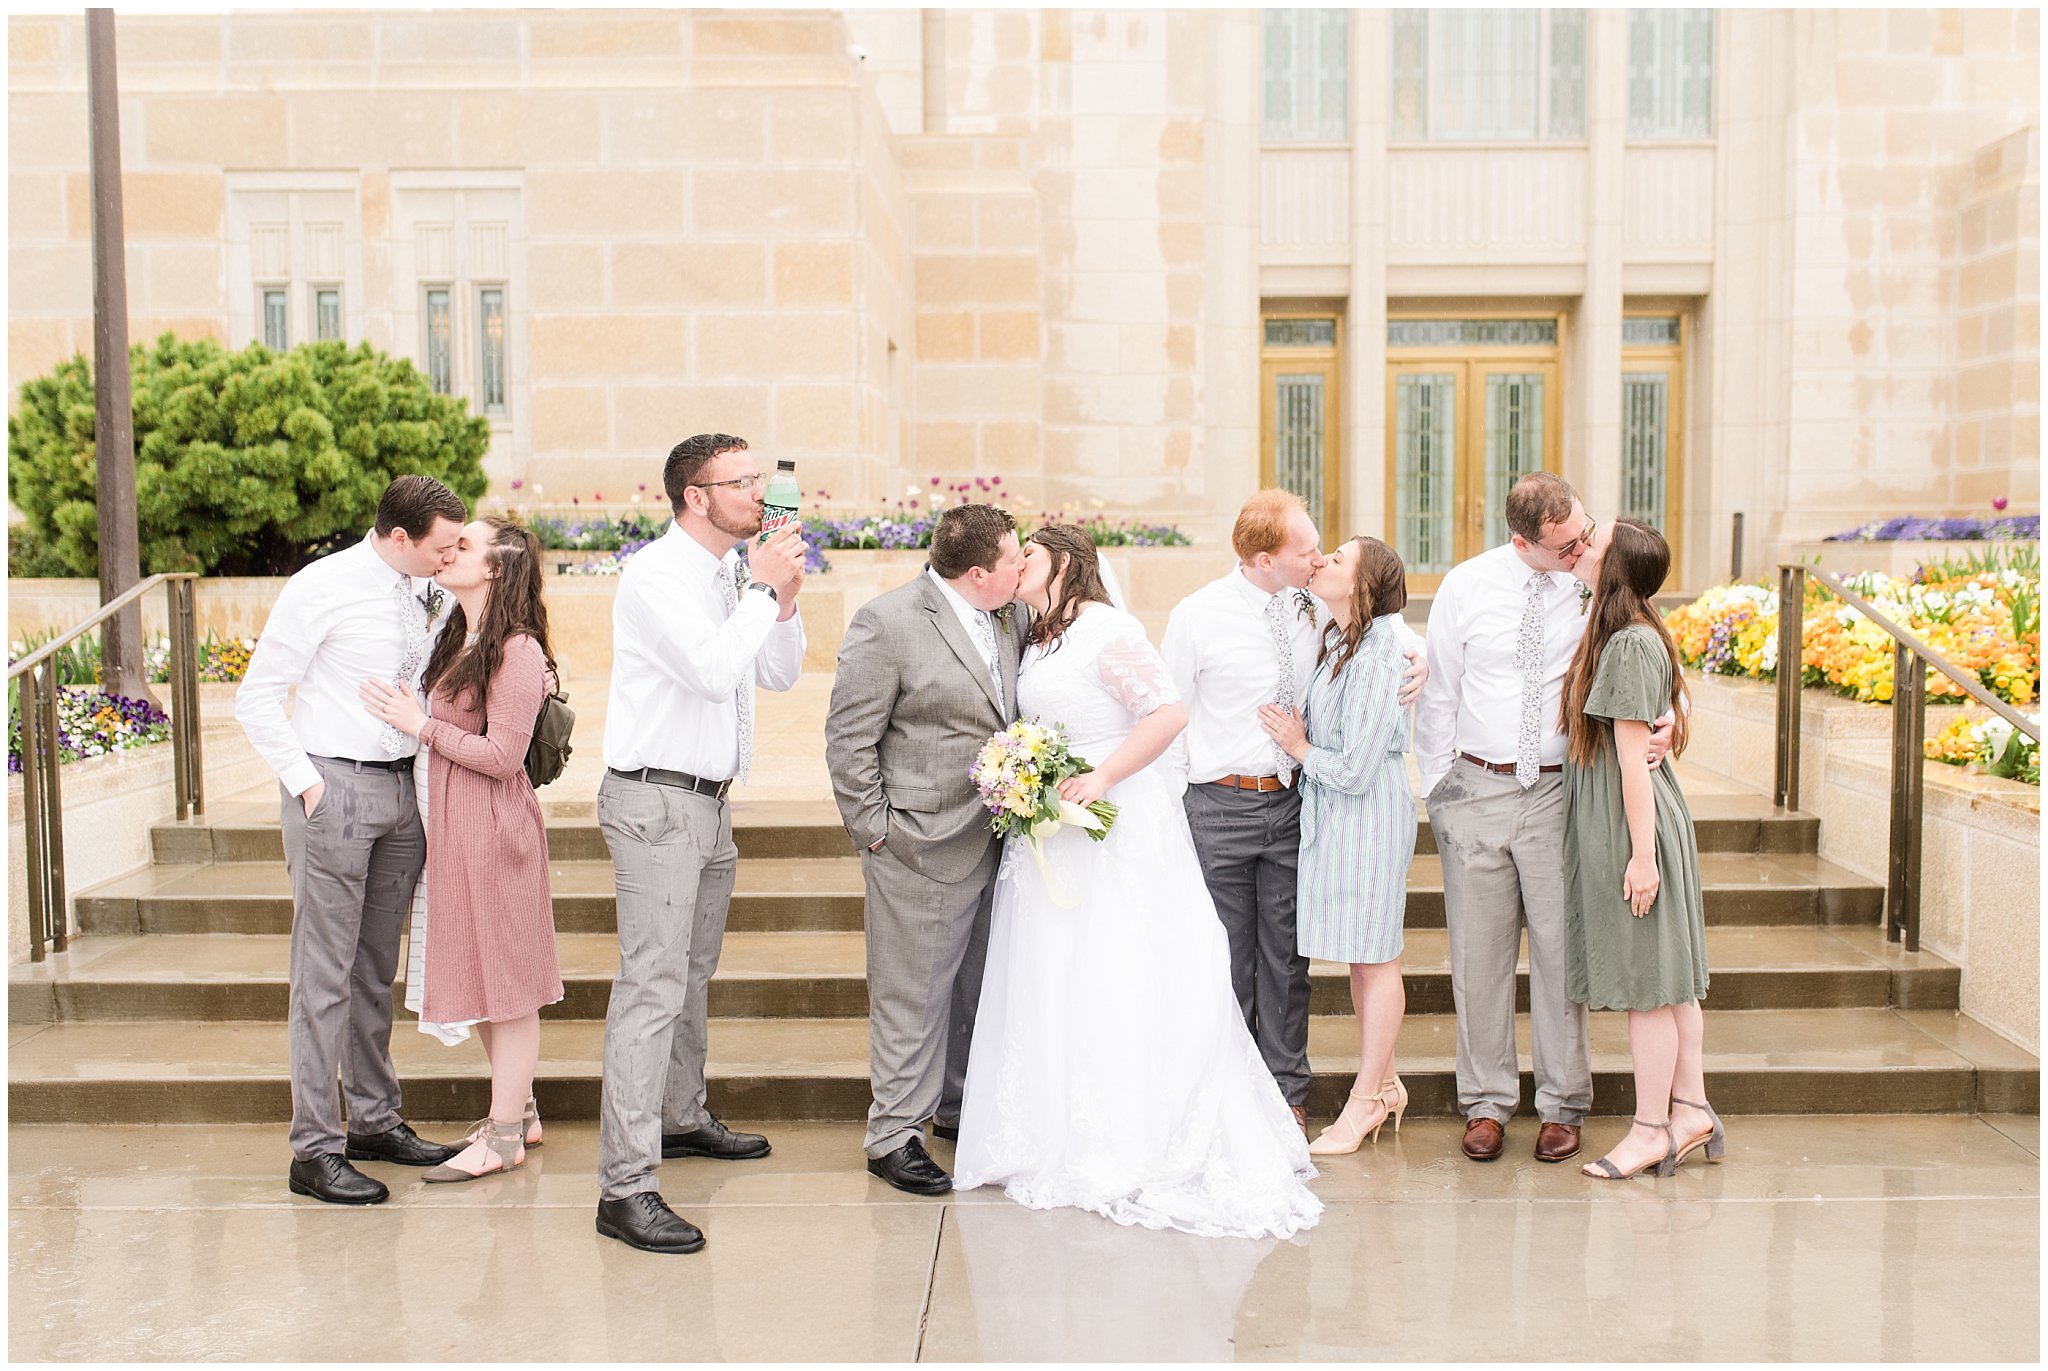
<point x="1133" y="671"/>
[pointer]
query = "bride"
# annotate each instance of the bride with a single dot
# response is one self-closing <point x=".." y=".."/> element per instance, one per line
<point x="1111" y="1069"/>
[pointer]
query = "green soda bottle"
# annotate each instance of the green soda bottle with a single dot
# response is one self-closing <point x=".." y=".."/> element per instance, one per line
<point x="779" y="500"/>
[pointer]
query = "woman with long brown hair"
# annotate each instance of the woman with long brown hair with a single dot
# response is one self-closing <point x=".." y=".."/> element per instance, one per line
<point x="1635" y="928"/>
<point x="1357" y="817"/>
<point x="490" y="937"/>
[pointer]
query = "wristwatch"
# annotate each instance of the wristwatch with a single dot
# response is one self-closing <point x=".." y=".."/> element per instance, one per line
<point x="763" y="585"/>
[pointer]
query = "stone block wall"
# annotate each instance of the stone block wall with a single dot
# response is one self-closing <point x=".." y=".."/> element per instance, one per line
<point x="1998" y="327"/>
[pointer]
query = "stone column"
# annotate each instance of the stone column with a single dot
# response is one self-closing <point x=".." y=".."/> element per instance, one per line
<point x="1592" y="455"/>
<point x="1365" y="348"/>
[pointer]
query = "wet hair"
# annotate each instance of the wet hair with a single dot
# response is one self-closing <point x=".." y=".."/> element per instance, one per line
<point x="1379" y="585"/>
<point x="1633" y="569"/>
<point x="515" y="606"/>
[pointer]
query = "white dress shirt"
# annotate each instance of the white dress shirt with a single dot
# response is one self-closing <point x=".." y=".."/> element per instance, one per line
<point x="336" y="624"/>
<point x="1219" y="650"/>
<point x="1472" y="701"/>
<point x="972" y="620"/>
<point x="679" y="659"/>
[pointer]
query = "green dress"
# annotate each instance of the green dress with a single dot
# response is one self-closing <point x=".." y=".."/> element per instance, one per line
<point x="1614" y="960"/>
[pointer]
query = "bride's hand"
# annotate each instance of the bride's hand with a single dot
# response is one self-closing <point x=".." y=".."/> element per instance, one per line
<point x="1285" y="728"/>
<point x="394" y="706"/>
<point x="1084" y="789"/>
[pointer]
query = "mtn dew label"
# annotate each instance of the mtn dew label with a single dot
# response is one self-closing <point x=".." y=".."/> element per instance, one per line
<point x="779" y="499"/>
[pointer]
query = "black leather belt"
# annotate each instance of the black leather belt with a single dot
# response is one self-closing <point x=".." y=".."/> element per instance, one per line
<point x="681" y="780"/>
<point x="391" y="764"/>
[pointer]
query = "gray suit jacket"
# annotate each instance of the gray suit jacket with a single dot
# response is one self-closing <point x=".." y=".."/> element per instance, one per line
<point x="911" y="706"/>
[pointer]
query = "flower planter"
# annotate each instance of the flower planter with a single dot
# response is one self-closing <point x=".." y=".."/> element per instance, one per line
<point x="1900" y="559"/>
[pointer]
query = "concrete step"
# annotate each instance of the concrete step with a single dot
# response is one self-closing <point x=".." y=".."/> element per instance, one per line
<point x="245" y="830"/>
<point x="823" y="975"/>
<point x="824" y="894"/>
<point x="1805" y="1061"/>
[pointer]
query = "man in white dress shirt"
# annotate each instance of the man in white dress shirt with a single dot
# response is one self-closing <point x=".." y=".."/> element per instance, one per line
<point x="694" y="630"/>
<point x="352" y="837"/>
<point x="1246" y="640"/>
<point x="1503" y="629"/>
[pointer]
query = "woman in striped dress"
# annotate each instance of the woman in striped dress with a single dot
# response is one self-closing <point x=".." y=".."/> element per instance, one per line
<point x="490" y="944"/>
<point x="1357" y="817"/>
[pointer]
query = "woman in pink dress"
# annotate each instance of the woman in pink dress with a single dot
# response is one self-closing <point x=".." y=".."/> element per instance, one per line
<point x="491" y="937"/>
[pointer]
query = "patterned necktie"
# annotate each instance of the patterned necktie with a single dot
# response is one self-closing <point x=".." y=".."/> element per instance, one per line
<point x="413" y="619"/>
<point x="744" y="695"/>
<point x="1529" y="661"/>
<point x="985" y="629"/>
<point x="1283" y="655"/>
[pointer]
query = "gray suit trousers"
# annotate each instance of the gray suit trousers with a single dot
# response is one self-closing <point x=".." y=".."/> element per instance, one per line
<point x="353" y="867"/>
<point x="1503" y="861"/>
<point x="1249" y="843"/>
<point x="673" y="861"/>
<point x="927" y="942"/>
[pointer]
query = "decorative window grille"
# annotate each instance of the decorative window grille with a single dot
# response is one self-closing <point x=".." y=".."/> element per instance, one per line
<point x="1426" y="486"/>
<point x="1301" y="333"/>
<point x="1448" y="333"/>
<point x="276" y="333"/>
<point x="439" y="350"/>
<point x="1670" y="73"/>
<point x="1488" y="74"/>
<point x="326" y="313"/>
<point x="1645" y="445"/>
<point x="490" y="315"/>
<point x="1646" y="331"/>
<point x="1298" y="436"/>
<point x="1514" y="441"/>
<point x="1308" y="70"/>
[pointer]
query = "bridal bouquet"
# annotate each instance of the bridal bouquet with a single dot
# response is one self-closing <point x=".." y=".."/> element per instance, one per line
<point x="1018" y="774"/>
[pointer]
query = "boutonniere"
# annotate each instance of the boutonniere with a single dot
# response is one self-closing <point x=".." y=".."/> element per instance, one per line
<point x="1306" y="604"/>
<point x="1585" y="598"/>
<point x="432" y="601"/>
<point x="1003" y="617"/>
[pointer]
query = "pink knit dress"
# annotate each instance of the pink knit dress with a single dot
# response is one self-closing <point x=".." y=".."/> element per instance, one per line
<point x="491" y="937"/>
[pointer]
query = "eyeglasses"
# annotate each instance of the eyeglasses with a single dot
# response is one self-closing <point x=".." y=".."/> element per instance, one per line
<point x="743" y="483"/>
<point x="1583" y="540"/>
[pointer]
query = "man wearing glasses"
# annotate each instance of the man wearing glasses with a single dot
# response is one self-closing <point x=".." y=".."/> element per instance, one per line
<point x="1502" y="631"/>
<point x="694" y="630"/>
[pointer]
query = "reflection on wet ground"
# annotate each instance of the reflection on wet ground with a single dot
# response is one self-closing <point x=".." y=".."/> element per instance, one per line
<point x="1851" y="1238"/>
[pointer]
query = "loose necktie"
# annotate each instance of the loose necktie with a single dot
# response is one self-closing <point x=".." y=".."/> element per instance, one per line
<point x="1529" y="661"/>
<point x="985" y="628"/>
<point x="744" y="694"/>
<point x="413" y="622"/>
<point x="1283" y="655"/>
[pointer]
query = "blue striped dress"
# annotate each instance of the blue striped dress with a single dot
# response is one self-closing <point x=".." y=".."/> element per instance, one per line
<point x="1357" y="813"/>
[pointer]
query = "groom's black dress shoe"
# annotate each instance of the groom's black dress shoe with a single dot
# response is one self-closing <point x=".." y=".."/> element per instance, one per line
<point x="948" y="1131"/>
<point x="329" y="1177"/>
<point x="910" y="1168"/>
<point x="714" y="1139"/>
<point x="398" y="1144"/>
<point x="645" y="1221"/>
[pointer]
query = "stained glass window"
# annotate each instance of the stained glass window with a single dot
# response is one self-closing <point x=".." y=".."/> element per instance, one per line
<point x="1426" y="479"/>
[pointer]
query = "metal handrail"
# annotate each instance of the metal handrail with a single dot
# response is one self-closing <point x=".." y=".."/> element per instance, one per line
<point x="1911" y="656"/>
<point x="42" y="805"/>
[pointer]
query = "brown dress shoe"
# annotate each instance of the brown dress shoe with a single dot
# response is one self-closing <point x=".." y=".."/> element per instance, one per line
<point x="1484" y="1139"/>
<point x="1557" y="1141"/>
<point x="1301" y="1117"/>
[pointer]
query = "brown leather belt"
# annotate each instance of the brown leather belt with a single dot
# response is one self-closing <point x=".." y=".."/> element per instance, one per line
<point x="1503" y="768"/>
<point x="1261" y="783"/>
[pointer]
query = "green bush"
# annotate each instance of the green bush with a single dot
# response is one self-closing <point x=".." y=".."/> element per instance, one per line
<point x="247" y="463"/>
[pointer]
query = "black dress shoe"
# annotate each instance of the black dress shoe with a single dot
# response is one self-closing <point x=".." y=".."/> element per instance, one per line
<point x="948" y="1131"/>
<point x="398" y="1144"/>
<point x="329" y="1177"/>
<point x="910" y="1168"/>
<point x="714" y="1139"/>
<point x="645" y="1221"/>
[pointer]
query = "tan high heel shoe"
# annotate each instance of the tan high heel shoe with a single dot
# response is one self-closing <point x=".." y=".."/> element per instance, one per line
<point x="1345" y="1135"/>
<point x="1395" y="1094"/>
<point x="504" y="1141"/>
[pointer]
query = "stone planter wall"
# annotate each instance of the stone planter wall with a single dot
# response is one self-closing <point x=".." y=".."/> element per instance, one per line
<point x="1980" y="893"/>
<point x="1900" y="559"/>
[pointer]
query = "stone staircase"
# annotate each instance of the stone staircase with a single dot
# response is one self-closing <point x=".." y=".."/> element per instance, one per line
<point x="170" y="1006"/>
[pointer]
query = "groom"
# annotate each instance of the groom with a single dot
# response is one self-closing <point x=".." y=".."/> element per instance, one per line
<point x="926" y="673"/>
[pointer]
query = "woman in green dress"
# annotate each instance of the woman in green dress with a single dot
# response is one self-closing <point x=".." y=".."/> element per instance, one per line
<point x="1635" y="929"/>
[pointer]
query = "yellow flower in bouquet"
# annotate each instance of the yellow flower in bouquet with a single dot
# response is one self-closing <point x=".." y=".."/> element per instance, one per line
<point x="1018" y="774"/>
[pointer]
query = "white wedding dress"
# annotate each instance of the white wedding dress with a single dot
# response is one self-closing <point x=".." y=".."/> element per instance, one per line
<point x="1111" y="1070"/>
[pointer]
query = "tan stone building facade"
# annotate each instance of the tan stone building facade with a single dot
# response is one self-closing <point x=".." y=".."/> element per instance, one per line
<point x="1783" y="263"/>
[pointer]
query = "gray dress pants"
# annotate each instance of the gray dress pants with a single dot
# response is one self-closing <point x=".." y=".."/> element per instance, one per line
<point x="1249" y="842"/>
<point x="353" y="867"/>
<point x="927" y="943"/>
<point x="673" y="862"/>
<point x="1503" y="862"/>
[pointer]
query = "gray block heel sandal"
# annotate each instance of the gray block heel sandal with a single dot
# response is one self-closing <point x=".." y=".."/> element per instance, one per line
<point x="506" y="1141"/>
<point x="1605" y="1170"/>
<point x="1715" y="1141"/>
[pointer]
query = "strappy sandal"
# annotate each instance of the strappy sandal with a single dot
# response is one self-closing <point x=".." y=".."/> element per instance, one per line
<point x="1715" y="1139"/>
<point x="1606" y="1170"/>
<point x="503" y="1141"/>
<point x="531" y="1123"/>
